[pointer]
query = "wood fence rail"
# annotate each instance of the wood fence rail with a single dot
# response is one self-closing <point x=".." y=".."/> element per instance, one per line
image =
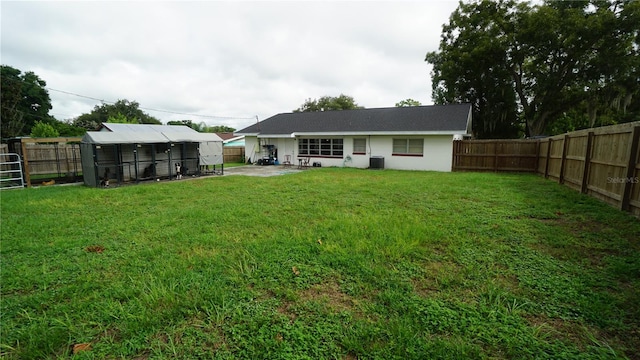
<point x="601" y="162"/>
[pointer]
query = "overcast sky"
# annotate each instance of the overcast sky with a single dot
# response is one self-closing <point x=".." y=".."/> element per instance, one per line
<point x="228" y="61"/>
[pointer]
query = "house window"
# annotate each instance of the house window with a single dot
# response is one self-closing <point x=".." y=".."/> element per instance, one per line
<point x="360" y="146"/>
<point x="320" y="147"/>
<point x="408" y="147"/>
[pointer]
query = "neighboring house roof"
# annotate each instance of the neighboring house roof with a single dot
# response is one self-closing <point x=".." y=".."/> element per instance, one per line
<point x="225" y="135"/>
<point x="146" y="134"/>
<point x="238" y="141"/>
<point x="435" y="119"/>
<point x="231" y="139"/>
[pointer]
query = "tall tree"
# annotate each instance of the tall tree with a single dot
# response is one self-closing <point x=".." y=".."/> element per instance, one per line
<point x="516" y="61"/>
<point x="130" y="110"/>
<point x="24" y="101"/>
<point x="567" y="53"/>
<point x="470" y="67"/>
<point x="326" y="103"/>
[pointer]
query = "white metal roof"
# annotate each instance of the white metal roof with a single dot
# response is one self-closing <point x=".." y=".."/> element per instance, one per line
<point x="116" y="127"/>
<point x="146" y="134"/>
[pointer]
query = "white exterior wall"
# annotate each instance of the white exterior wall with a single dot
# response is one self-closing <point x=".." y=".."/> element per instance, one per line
<point x="437" y="152"/>
<point x="286" y="146"/>
<point x="250" y="146"/>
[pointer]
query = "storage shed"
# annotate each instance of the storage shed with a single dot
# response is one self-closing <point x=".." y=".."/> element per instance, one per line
<point x="139" y="152"/>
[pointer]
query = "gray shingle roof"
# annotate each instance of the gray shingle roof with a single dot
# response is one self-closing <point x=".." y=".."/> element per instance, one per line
<point x="416" y="119"/>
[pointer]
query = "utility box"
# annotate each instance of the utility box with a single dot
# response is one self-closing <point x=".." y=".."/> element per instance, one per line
<point x="376" y="162"/>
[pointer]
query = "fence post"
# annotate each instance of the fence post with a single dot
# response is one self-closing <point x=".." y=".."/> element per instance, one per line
<point x="25" y="159"/>
<point x="631" y="166"/>
<point x="495" y="156"/>
<point x="564" y="158"/>
<point x="546" y="165"/>
<point x="535" y="171"/>
<point x="587" y="162"/>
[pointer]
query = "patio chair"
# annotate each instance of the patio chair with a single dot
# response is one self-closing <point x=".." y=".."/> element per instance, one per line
<point x="305" y="162"/>
<point x="287" y="161"/>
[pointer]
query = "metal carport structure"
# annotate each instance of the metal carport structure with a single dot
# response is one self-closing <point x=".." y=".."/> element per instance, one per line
<point x="127" y="153"/>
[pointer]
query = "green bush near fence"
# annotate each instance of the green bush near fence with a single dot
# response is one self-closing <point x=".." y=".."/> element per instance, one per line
<point x="326" y="263"/>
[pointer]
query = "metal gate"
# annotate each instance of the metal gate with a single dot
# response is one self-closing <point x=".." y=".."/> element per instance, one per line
<point x="11" y="175"/>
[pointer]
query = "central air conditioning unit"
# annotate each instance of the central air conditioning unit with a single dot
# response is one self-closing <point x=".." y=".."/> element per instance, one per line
<point x="376" y="162"/>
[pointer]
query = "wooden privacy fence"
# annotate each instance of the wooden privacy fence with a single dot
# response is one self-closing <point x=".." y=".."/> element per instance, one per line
<point x="495" y="155"/>
<point x="601" y="162"/>
<point x="233" y="154"/>
<point x="46" y="159"/>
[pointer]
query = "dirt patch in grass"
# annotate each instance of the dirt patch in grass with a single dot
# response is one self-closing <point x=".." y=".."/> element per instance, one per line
<point x="286" y="309"/>
<point x="94" y="249"/>
<point x="329" y="293"/>
<point x="434" y="274"/>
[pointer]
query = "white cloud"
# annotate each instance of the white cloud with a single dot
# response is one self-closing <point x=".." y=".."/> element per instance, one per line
<point x="230" y="59"/>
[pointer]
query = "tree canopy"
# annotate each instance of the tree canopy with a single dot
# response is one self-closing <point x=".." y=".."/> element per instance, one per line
<point x="42" y="130"/>
<point x="24" y="101"/>
<point x="326" y="103"/>
<point x="121" y="110"/>
<point x="408" y="102"/>
<point x="202" y="126"/>
<point x="529" y="67"/>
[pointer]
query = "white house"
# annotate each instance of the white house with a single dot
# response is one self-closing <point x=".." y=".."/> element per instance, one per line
<point x="406" y="138"/>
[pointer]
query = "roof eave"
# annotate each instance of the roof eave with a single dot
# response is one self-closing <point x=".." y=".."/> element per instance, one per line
<point x="360" y="133"/>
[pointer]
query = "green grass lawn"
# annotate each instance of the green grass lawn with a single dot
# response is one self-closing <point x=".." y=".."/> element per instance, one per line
<point x="322" y="264"/>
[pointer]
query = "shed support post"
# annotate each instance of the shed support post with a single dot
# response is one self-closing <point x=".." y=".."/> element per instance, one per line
<point x="170" y="167"/>
<point x="153" y="160"/>
<point x="135" y="162"/>
<point x="96" y="170"/>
